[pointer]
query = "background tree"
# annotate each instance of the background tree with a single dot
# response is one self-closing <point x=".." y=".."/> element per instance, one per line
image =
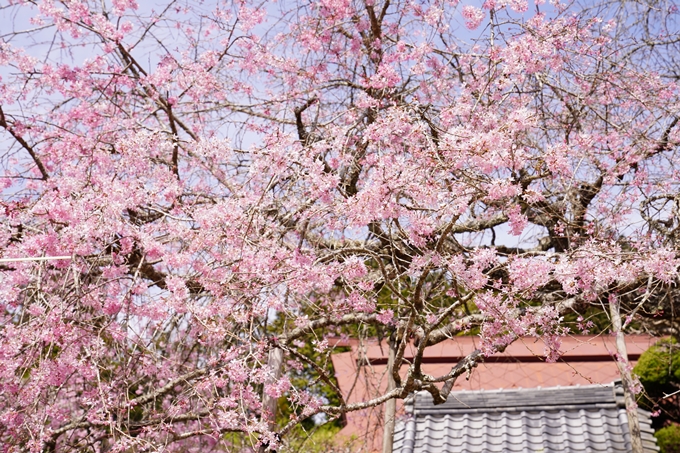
<point x="229" y="182"/>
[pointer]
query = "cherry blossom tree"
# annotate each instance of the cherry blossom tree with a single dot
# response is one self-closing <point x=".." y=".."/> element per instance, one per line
<point x="195" y="193"/>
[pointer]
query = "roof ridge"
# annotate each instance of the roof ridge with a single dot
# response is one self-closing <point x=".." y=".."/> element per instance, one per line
<point x="530" y="389"/>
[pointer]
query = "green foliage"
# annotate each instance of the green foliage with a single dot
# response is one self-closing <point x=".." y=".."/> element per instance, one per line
<point x="659" y="372"/>
<point x="238" y="442"/>
<point x="668" y="439"/>
<point x="593" y="320"/>
<point x="319" y="439"/>
<point x="309" y="378"/>
<point x="659" y="366"/>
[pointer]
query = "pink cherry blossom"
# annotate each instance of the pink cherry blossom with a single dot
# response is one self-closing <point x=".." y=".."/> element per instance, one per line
<point x="200" y="204"/>
<point x="473" y="16"/>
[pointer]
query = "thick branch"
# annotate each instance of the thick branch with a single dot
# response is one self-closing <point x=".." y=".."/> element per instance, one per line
<point x="147" y="271"/>
<point x="143" y="399"/>
<point x="24" y="144"/>
<point x="446" y="332"/>
<point x="338" y="410"/>
<point x="325" y="322"/>
<point x="479" y="225"/>
<point x="302" y="133"/>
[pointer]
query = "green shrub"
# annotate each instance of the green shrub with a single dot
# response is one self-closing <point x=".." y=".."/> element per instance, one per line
<point x="659" y="371"/>
<point x="659" y="366"/>
<point x="668" y="439"/>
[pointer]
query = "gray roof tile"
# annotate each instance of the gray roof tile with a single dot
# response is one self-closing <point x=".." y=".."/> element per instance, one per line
<point x="561" y="419"/>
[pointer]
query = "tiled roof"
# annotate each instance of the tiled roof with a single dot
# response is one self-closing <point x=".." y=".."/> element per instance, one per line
<point x="361" y="372"/>
<point x="560" y="419"/>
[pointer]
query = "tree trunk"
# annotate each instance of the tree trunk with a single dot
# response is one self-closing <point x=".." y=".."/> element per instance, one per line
<point x="269" y="404"/>
<point x="391" y="405"/>
<point x="626" y="376"/>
